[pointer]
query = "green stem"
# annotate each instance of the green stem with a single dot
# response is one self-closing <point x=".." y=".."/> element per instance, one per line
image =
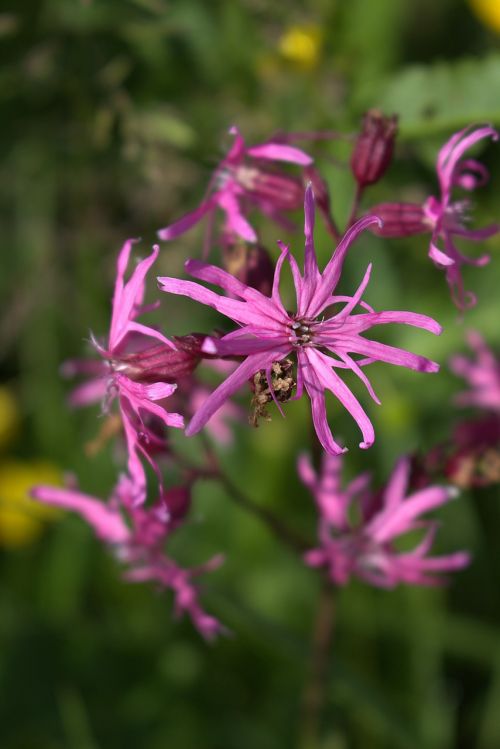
<point x="314" y="695"/>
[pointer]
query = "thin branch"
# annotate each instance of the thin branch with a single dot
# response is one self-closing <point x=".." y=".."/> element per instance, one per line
<point x="355" y="206"/>
<point x="285" y="534"/>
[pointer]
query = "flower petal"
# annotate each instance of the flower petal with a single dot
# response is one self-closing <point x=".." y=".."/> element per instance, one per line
<point x="394" y="521"/>
<point x="331" y="274"/>
<point x="235" y="220"/>
<point x="388" y="354"/>
<point x="280" y="152"/>
<point x="189" y="220"/>
<point x="106" y="522"/>
<point x="240" y="312"/>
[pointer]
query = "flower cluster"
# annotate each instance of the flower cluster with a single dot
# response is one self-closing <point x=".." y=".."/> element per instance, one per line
<point x="278" y="350"/>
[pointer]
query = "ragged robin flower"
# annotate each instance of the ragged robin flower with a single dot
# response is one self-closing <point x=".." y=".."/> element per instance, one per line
<point x="248" y="177"/>
<point x="444" y="218"/>
<point x="132" y="370"/>
<point x="322" y="334"/>
<point x="367" y="549"/>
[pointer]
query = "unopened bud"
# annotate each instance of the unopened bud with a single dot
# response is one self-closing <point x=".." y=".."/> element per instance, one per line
<point x="374" y="147"/>
<point x="177" y="501"/>
<point x="399" y="219"/>
<point x="162" y="363"/>
<point x="250" y="264"/>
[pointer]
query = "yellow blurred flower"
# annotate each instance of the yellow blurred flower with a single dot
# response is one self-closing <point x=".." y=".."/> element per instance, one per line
<point x="488" y="11"/>
<point x="9" y="416"/>
<point x="21" y="518"/>
<point x="301" y="45"/>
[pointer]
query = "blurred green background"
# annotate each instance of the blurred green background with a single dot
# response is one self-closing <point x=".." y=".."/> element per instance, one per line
<point x="112" y="114"/>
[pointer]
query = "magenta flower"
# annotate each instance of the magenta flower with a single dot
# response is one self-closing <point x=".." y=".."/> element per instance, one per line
<point x="242" y="180"/>
<point x="367" y="550"/>
<point x="443" y="217"/>
<point x="125" y="376"/>
<point x="268" y="332"/>
<point x="137" y="536"/>
<point x="483" y="375"/>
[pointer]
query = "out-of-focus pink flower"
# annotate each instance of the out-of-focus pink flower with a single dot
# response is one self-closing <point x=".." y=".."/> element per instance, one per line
<point x="443" y="217"/>
<point x="482" y="374"/>
<point x="247" y="178"/>
<point x="269" y="333"/>
<point x="138" y="380"/>
<point x="367" y="549"/>
<point x="137" y="535"/>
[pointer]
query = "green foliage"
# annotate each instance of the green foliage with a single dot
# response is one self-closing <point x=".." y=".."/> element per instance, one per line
<point x="440" y="97"/>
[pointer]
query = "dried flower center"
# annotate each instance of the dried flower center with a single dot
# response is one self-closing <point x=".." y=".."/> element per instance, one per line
<point x="282" y="385"/>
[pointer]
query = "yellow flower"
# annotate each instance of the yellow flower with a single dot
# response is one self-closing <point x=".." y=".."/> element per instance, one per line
<point x="9" y="416"/>
<point x="21" y="518"/>
<point x="488" y="11"/>
<point x="301" y="45"/>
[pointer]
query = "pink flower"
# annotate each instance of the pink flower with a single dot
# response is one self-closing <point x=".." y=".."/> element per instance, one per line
<point x="137" y="536"/>
<point x="125" y="376"/>
<point x="367" y="550"/>
<point x="268" y="332"/>
<point x="483" y="375"/>
<point x="443" y="217"/>
<point x="243" y="179"/>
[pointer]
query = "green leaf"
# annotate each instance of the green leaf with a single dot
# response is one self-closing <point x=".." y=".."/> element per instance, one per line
<point x="436" y="98"/>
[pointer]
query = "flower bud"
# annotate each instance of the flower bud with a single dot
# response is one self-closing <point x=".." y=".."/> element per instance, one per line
<point x="177" y="502"/>
<point x="161" y="363"/>
<point x="250" y="264"/>
<point x="374" y="147"/>
<point x="399" y="219"/>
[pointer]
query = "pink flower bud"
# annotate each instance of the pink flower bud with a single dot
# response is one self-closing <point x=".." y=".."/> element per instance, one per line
<point x="399" y="219"/>
<point x="162" y="363"/>
<point x="374" y="147"/>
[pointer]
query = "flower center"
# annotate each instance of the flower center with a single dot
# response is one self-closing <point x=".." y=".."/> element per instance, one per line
<point x="301" y="332"/>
